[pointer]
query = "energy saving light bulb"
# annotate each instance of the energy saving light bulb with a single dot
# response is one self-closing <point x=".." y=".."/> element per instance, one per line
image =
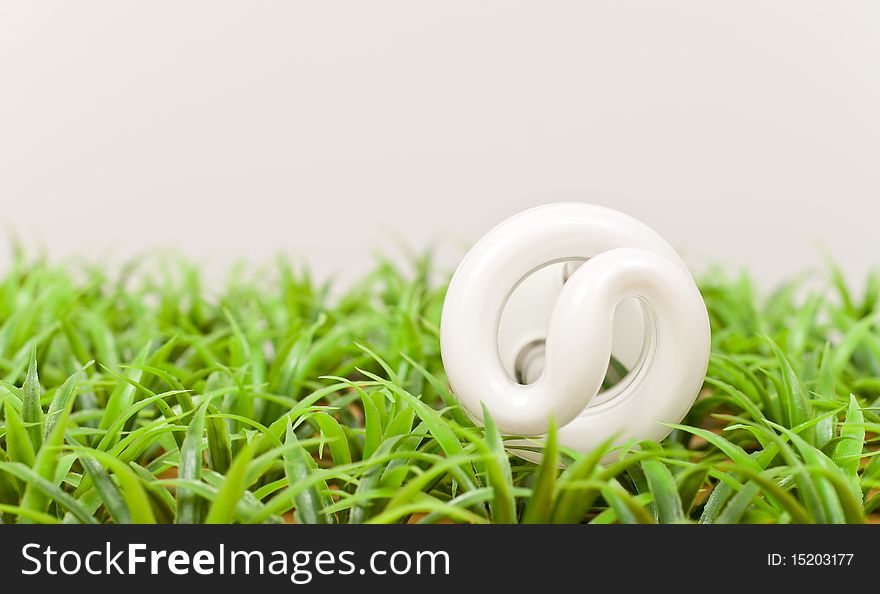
<point x="542" y="303"/>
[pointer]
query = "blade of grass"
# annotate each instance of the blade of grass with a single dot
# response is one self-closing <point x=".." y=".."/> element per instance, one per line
<point x="223" y="508"/>
<point x="309" y="502"/>
<point x="665" y="492"/>
<point x="188" y="503"/>
<point x="31" y="409"/>
<point x="540" y="504"/>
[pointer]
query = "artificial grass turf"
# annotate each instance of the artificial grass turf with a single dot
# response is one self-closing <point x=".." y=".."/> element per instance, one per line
<point x="141" y="396"/>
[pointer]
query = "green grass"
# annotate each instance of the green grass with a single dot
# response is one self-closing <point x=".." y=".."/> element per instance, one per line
<point x="143" y="396"/>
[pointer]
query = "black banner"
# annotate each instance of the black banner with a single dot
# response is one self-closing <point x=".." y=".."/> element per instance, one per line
<point x="405" y="557"/>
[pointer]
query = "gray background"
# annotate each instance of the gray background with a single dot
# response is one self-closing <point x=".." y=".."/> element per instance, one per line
<point x="745" y="132"/>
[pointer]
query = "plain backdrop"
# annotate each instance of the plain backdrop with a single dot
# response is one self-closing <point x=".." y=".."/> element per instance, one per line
<point x="746" y="132"/>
